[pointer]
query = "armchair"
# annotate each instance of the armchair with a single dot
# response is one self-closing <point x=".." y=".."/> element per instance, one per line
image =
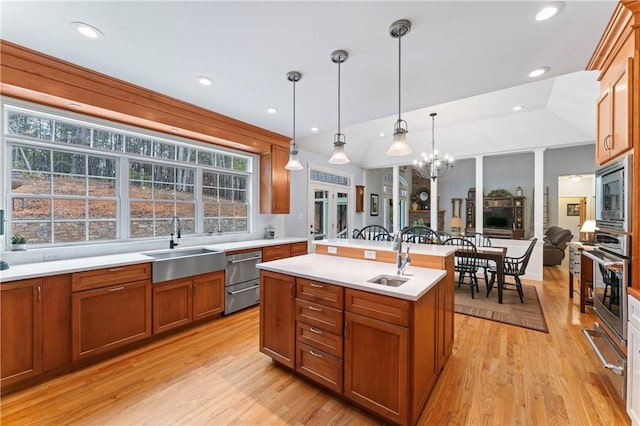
<point x="555" y="244"/>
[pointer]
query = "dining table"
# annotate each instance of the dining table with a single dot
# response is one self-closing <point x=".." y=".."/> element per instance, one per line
<point x="495" y="254"/>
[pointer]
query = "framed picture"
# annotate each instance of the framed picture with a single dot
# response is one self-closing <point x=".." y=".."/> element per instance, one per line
<point x="573" y="209"/>
<point x="375" y="203"/>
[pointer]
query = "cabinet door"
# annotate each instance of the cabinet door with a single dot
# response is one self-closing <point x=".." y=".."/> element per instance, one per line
<point x="107" y="318"/>
<point x="376" y="366"/>
<point x="621" y="89"/>
<point x="633" y="374"/>
<point x="274" y="181"/>
<point x="56" y="321"/>
<point x="172" y="305"/>
<point x="277" y="317"/>
<point x="280" y="251"/>
<point x="446" y="294"/>
<point x="21" y="330"/>
<point x="208" y="295"/>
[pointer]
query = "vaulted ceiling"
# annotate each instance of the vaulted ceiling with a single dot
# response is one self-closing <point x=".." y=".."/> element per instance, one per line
<point x="467" y="61"/>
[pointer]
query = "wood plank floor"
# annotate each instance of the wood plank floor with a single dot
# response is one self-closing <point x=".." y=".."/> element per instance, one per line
<point x="213" y="374"/>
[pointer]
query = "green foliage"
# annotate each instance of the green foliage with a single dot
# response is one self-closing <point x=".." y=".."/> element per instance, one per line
<point x="18" y="239"/>
<point x="499" y="193"/>
<point x="419" y="222"/>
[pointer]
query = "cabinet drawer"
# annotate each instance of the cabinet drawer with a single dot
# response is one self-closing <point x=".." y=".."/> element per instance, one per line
<point x="323" y="293"/>
<point x="298" y="249"/>
<point x="317" y="315"/>
<point x="318" y="338"/>
<point x="105" y="277"/>
<point x="275" y="252"/>
<point x="377" y="306"/>
<point x="319" y="366"/>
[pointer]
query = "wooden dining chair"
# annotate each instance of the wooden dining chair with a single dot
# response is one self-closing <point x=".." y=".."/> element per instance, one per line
<point x="513" y="267"/>
<point x="420" y="235"/>
<point x="374" y="232"/>
<point x="481" y="240"/>
<point x="466" y="262"/>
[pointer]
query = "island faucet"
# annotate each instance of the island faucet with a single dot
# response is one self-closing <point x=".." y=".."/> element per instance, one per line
<point x="176" y="229"/>
<point x="400" y="263"/>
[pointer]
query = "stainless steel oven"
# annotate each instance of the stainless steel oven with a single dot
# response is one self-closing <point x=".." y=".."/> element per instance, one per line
<point x="613" y="189"/>
<point x="611" y="277"/>
<point x="242" y="281"/>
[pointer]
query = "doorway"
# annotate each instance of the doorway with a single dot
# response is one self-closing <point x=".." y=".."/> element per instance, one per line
<point x="576" y="201"/>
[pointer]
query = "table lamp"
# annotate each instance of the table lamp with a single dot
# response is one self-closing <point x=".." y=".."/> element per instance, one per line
<point x="456" y="224"/>
<point x="588" y="228"/>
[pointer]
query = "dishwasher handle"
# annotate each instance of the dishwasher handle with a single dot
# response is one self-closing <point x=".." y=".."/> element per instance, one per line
<point x="248" y="259"/>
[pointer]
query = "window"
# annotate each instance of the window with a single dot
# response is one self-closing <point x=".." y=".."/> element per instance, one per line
<point x="66" y="186"/>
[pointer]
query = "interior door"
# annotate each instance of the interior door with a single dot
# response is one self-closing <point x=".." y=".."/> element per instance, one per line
<point x="328" y="212"/>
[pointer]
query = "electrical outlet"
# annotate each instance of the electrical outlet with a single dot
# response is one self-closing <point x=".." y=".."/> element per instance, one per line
<point x="332" y="250"/>
<point x="51" y="256"/>
<point x="370" y="254"/>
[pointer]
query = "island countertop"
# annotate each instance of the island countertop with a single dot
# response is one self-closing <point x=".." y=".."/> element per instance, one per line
<point x="427" y="249"/>
<point x="354" y="273"/>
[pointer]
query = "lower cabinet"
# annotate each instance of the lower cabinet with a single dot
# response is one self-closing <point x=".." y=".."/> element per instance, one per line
<point x="179" y="302"/>
<point x="35" y="335"/>
<point x="277" y="317"/>
<point x="380" y="352"/>
<point x="633" y="361"/>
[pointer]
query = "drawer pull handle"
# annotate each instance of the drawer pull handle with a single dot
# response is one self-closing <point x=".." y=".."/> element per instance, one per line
<point x="115" y="269"/>
<point x="315" y="354"/>
<point x="116" y="289"/>
<point x="243" y="290"/>
<point x="313" y="308"/>
<point x="316" y="285"/>
<point x="315" y="330"/>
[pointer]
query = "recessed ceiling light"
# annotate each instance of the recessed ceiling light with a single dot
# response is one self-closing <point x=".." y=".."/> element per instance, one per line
<point x="74" y="106"/>
<point x="272" y="110"/>
<point x="88" y="31"/>
<point x="518" y="108"/>
<point x="549" y="10"/>
<point x="381" y="135"/>
<point x="205" y="81"/>
<point x="314" y="129"/>
<point x="539" y="71"/>
<point x="173" y="129"/>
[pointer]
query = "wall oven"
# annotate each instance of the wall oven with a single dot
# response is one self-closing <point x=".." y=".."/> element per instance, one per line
<point x="613" y="189"/>
<point x="611" y="277"/>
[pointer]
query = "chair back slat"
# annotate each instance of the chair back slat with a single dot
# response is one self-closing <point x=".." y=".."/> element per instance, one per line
<point x="420" y="235"/>
<point x="479" y="239"/>
<point x="374" y="232"/>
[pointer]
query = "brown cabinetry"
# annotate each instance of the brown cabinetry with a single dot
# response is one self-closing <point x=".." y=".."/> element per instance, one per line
<point x="277" y="317"/>
<point x="298" y="249"/>
<point x="274" y="181"/>
<point x="179" y="302"/>
<point x="105" y="317"/>
<point x="613" y="109"/>
<point x="504" y="217"/>
<point x="276" y="252"/>
<point x="35" y="327"/>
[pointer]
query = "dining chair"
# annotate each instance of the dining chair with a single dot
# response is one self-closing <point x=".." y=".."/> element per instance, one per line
<point x="374" y="232"/>
<point x="513" y="267"/>
<point x="481" y="240"/>
<point x="466" y="262"/>
<point x="420" y="235"/>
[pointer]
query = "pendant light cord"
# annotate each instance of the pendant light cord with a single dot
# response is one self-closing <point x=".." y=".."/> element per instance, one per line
<point x="294" y="114"/>
<point x="399" y="74"/>
<point x="339" y="62"/>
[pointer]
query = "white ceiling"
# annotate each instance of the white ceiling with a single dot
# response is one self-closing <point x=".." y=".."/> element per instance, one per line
<point x="467" y="61"/>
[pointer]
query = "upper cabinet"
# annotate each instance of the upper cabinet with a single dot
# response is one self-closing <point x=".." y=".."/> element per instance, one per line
<point x="617" y="57"/>
<point x="274" y="181"/>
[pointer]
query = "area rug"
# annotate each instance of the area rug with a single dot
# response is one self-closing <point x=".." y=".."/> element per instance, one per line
<point x="528" y="314"/>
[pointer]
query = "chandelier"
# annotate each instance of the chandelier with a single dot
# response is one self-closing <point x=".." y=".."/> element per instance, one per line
<point x="433" y="166"/>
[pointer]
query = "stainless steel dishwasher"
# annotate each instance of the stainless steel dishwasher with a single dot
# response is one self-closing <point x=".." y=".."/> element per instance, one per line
<point x="242" y="281"/>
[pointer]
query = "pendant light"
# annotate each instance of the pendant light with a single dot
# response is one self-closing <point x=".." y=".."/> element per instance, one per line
<point x="339" y="156"/>
<point x="294" y="161"/>
<point x="399" y="146"/>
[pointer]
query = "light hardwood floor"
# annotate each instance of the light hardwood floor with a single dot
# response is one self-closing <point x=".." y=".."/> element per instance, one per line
<point x="213" y="374"/>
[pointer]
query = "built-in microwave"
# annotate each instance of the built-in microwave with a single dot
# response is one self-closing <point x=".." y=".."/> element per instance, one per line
<point x="613" y="189"/>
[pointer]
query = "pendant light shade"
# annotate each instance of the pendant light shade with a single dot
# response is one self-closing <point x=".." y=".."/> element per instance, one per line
<point x="294" y="161"/>
<point x="399" y="146"/>
<point x="339" y="156"/>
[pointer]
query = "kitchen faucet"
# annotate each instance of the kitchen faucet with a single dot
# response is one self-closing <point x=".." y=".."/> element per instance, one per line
<point x="400" y="263"/>
<point x="175" y="229"/>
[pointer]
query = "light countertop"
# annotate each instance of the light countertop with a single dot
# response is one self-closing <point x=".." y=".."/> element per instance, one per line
<point x="354" y="273"/>
<point x="427" y="249"/>
<point x="56" y="267"/>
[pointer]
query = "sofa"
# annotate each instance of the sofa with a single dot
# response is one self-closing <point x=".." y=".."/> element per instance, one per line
<point x="555" y="244"/>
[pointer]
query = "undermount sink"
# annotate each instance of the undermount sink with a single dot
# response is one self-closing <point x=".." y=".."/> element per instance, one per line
<point x="173" y="264"/>
<point x="388" y="280"/>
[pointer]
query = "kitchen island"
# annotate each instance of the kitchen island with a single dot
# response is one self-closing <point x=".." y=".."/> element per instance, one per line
<point x="378" y="346"/>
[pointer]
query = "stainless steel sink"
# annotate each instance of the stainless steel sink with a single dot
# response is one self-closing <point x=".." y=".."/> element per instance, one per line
<point x="181" y="263"/>
<point x="388" y="280"/>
